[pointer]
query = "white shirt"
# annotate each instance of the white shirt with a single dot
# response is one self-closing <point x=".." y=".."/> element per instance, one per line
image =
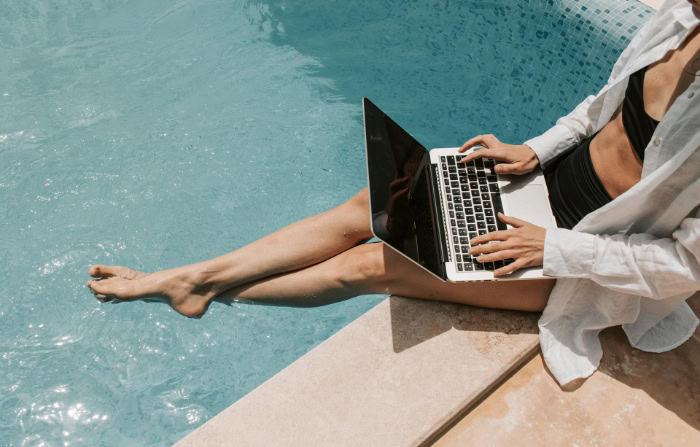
<point x="636" y="260"/>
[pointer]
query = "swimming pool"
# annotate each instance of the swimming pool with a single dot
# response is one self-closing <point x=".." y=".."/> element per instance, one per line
<point x="159" y="133"/>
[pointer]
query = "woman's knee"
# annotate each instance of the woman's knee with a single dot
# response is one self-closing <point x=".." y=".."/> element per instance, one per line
<point x="363" y="267"/>
<point x="360" y="200"/>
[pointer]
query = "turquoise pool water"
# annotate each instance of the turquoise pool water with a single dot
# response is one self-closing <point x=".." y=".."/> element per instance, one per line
<point x="157" y="133"/>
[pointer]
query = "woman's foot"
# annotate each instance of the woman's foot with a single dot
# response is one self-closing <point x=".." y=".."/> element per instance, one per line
<point x="177" y="287"/>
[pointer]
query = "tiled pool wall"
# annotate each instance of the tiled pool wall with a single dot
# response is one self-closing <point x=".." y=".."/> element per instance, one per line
<point x="449" y="70"/>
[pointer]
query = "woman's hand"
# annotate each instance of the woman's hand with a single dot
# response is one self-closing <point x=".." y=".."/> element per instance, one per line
<point x="515" y="159"/>
<point x="524" y="243"/>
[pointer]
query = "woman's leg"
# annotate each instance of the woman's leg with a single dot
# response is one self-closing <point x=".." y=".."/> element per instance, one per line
<point x="189" y="289"/>
<point x="376" y="268"/>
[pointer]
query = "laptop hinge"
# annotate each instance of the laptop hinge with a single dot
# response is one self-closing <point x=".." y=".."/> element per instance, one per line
<point x="438" y="220"/>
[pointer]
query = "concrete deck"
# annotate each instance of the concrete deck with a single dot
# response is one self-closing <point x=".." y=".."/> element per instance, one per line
<point x="635" y="398"/>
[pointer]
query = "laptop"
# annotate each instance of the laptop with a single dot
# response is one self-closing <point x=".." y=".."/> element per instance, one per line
<point x="428" y="207"/>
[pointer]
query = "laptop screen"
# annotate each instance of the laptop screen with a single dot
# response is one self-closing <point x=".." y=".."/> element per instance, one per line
<point x="400" y="190"/>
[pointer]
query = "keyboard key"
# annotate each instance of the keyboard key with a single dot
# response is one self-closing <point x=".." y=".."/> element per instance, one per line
<point x="498" y="264"/>
<point x="471" y="227"/>
<point x="484" y="188"/>
<point x="478" y="209"/>
<point x="452" y="214"/>
<point x="489" y="266"/>
<point x="471" y="219"/>
<point x="489" y="163"/>
<point x="449" y="197"/>
<point x="492" y="179"/>
<point x="458" y="207"/>
<point x="494" y="187"/>
<point x="471" y="170"/>
<point x="453" y="222"/>
<point x="479" y="216"/>
<point x="487" y="204"/>
<point x="459" y="267"/>
<point x="463" y="240"/>
<point x="453" y="183"/>
<point x="479" y="163"/>
<point x="453" y="177"/>
<point x="459" y="215"/>
<point x="488" y="212"/>
<point x="464" y="187"/>
<point x="468" y="266"/>
<point x="463" y="179"/>
<point x="482" y="232"/>
<point x="479" y="266"/>
<point x="457" y="199"/>
<point x="447" y="181"/>
<point x="450" y="159"/>
<point x="466" y="194"/>
<point x="490" y="220"/>
<point x="455" y="239"/>
<point x="462" y="232"/>
<point x="480" y="173"/>
<point x="481" y="225"/>
<point x="467" y="202"/>
<point x="456" y="248"/>
<point x="452" y="169"/>
<point x="449" y="205"/>
<point x="459" y="258"/>
<point x="476" y="200"/>
<point x="485" y="196"/>
<point x="472" y="235"/>
<point x="491" y="228"/>
<point x="461" y="224"/>
<point x="473" y="185"/>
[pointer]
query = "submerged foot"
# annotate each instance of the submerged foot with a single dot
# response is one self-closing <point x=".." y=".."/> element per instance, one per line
<point x="176" y="287"/>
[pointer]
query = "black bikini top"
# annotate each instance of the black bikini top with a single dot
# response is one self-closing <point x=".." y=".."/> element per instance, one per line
<point x="638" y="125"/>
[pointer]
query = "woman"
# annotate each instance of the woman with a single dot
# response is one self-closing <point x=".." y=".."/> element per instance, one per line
<point x="622" y="172"/>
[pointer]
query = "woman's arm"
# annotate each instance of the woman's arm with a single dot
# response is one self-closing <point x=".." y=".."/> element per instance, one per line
<point x="639" y="264"/>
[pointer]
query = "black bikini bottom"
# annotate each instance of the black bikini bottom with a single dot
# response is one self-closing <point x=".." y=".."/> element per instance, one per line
<point x="574" y="188"/>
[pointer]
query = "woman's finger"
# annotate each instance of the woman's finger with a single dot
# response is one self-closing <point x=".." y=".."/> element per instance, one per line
<point x="505" y="168"/>
<point x="484" y="140"/>
<point x="480" y="153"/>
<point x="512" y="221"/>
<point x="510" y="268"/>
<point x="491" y="247"/>
<point x="498" y="256"/>
<point x="502" y="235"/>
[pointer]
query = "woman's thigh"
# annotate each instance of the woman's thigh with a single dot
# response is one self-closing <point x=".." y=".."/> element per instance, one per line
<point x="387" y="271"/>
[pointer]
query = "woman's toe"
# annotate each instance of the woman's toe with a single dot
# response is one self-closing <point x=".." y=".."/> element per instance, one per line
<point x="108" y="271"/>
<point x="112" y="287"/>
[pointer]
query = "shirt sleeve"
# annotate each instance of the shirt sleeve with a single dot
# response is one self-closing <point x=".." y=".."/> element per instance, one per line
<point x="638" y="264"/>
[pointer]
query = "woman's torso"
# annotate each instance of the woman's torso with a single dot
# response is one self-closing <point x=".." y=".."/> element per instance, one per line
<point x="614" y="159"/>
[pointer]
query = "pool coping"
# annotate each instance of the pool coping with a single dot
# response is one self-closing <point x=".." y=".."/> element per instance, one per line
<point x="398" y="375"/>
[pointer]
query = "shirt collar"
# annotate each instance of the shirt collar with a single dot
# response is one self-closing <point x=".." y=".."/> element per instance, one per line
<point x="686" y="17"/>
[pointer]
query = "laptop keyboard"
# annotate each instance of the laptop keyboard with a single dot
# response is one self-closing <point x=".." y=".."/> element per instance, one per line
<point x="473" y="201"/>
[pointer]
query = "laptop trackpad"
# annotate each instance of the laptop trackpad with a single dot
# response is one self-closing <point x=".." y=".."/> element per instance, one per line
<point x="530" y="203"/>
